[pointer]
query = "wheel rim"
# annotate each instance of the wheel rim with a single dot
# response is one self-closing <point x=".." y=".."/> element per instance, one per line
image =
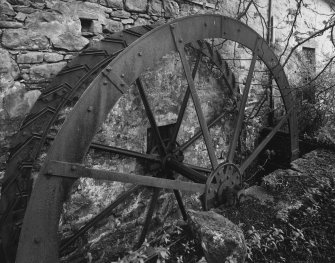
<point x="64" y="89"/>
<point x="38" y="237"/>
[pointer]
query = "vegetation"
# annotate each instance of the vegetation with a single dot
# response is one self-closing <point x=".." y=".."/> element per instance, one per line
<point x="307" y="236"/>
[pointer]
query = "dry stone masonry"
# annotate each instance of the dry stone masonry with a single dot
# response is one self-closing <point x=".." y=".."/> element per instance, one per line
<point x="39" y="37"/>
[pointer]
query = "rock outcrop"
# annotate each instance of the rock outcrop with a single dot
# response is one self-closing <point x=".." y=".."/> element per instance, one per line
<point x="221" y="240"/>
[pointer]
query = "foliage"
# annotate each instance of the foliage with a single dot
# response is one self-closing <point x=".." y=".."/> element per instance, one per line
<point x="307" y="236"/>
<point x="141" y="254"/>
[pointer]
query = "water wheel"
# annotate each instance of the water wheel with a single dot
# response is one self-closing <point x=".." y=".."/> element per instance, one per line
<point x="91" y="85"/>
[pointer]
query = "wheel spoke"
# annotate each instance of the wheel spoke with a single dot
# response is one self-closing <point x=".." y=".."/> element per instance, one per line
<point x="239" y="121"/>
<point x="129" y="153"/>
<point x="103" y="214"/>
<point x="196" y="136"/>
<point x="151" y="117"/>
<point x="186" y="171"/>
<point x="196" y="101"/>
<point x="179" y="199"/>
<point x="184" y="105"/>
<point x="75" y="171"/>
<point x="117" y="150"/>
<point x="198" y="168"/>
<point x="148" y="217"/>
<point x="262" y="145"/>
<point x="180" y="204"/>
<point x="258" y="105"/>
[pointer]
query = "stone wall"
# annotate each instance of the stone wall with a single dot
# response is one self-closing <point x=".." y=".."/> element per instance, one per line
<point x="38" y="38"/>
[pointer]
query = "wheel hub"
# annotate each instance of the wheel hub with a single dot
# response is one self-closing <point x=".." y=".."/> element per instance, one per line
<point x="222" y="186"/>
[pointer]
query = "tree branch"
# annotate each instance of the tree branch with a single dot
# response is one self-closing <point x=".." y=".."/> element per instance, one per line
<point x="245" y="11"/>
<point x="305" y="40"/>
<point x="292" y="29"/>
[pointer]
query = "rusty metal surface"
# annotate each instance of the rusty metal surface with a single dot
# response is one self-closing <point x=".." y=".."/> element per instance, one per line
<point x="75" y="171"/>
<point x="222" y="181"/>
<point x="180" y="44"/>
<point x="65" y="88"/>
<point x="238" y="123"/>
<point x="38" y="237"/>
<point x="262" y="145"/>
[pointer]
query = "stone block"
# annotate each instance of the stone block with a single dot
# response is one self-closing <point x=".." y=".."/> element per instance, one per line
<point x="87" y="15"/>
<point x="220" y="239"/>
<point x="6" y="8"/>
<point x="37" y="5"/>
<point x="10" y="24"/>
<point x="120" y="14"/>
<point x="156" y="7"/>
<point x="97" y="27"/>
<point x="102" y="2"/>
<point x="53" y="57"/>
<point x="19" y="102"/>
<point x="68" y="57"/>
<point x="24" y="39"/>
<point x="21" y="17"/>
<point x="114" y="26"/>
<point x="128" y="21"/>
<point x="9" y="70"/>
<point x="49" y="4"/>
<point x="141" y="22"/>
<point x="25" y="76"/>
<point x="144" y="16"/>
<point x="118" y="4"/>
<point x="134" y="16"/>
<point x="45" y="71"/>
<point x="139" y="6"/>
<point x="30" y="58"/>
<point x="69" y="41"/>
<point x="171" y="8"/>
<point x="24" y="9"/>
<point x="23" y="2"/>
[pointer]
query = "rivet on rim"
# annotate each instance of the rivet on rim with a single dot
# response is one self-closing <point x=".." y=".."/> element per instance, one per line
<point x="37" y="240"/>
